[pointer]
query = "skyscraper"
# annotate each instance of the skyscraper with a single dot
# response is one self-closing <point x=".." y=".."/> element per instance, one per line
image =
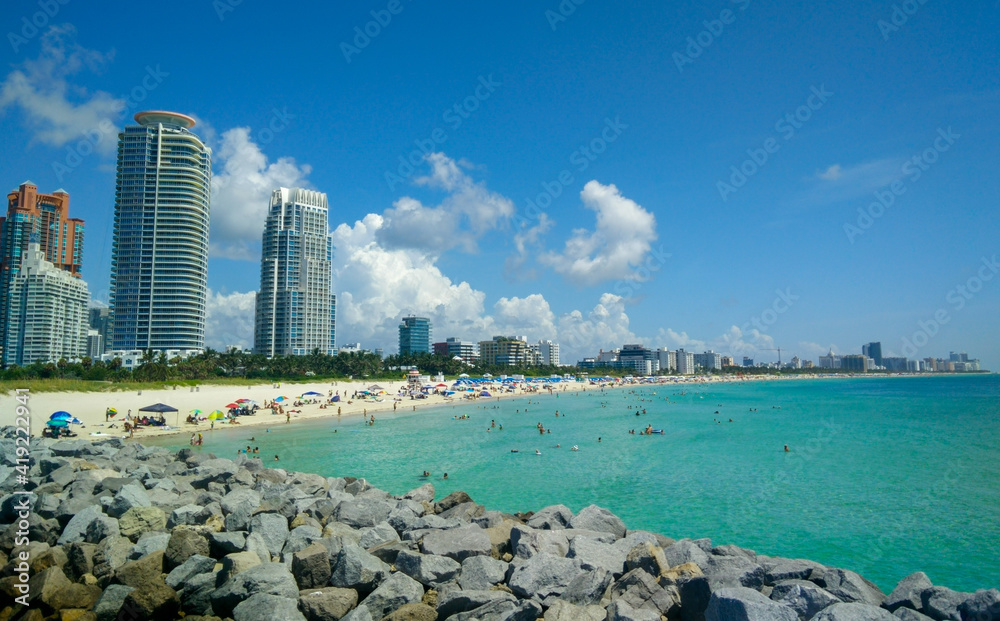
<point x="47" y="312"/>
<point x="873" y="351"/>
<point x="44" y="218"/>
<point x="414" y="336"/>
<point x="159" y="261"/>
<point x="296" y="307"/>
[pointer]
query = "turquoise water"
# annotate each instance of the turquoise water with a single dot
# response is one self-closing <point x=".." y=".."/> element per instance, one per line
<point x="884" y="476"/>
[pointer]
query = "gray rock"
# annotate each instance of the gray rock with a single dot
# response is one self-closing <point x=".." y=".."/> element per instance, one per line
<point x="183" y="544"/>
<point x="428" y="569"/>
<point x="111" y="601"/>
<point x="565" y="611"/>
<point x="395" y="591"/>
<point x="267" y="607"/>
<point x="188" y="515"/>
<point x="194" y="565"/>
<point x="686" y="551"/>
<point x="640" y="590"/>
<point x="388" y="552"/>
<point x="300" y="538"/>
<point x="139" y="520"/>
<point x="942" y="603"/>
<point x="363" y="512"/>
<point x="223" y="543"/>
<point x="238" y="562"/>
<point x="907" y="614"/>
<point x="587" y="588"/>
<point x="273" y="528"/>
<point x="457" y="543"/>
<point x="327" y="603"/>
<point x="853" y="611"/>
<point x="424" y="493"/>
<point x="620" y="610"/>
<point x="238" y="505"/>
<point x="355" y="568"/>
<point x="733" y="571"/>
<point x="451" y="500"/>
<point x="75" y="530"/>
<point x="551" y="517"/>
<point x="543" y="575"/>
<point x="802" y="596"/>
<point x="311" y="566"/>
<point x="526" y="542"/>
<point x="102" y="526"/>
<point x="258" y="545"/>
<point x="149" y="543"/>
<point x="594" y="554"/>
<point x="599" y="519"/>
<point x="848" y="586"/>
<point x="131" y="495"/>
<point x="907" y="592"/>
<point x="359" y="614"/>
<point x="377" y="535"/>
<point x="197" y="596"/>
<point x="777" y="569"/>
<point x="482" y="572"/>
<point x="743" y="604"/>
<point x="109" y="555"/>
<point x="270" y="578"/>
<point x="457" y="601"/>
<point x="984" y="605"/>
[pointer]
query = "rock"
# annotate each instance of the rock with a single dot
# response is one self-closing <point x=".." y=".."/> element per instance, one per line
<point x="543" y="575"/>
<point x="599" y="519"/>
<point x="355" y="568"/>
<point x="152" y="601"/>
<point x="111" y="601"/>
<point x="238" y="562"/>
<point x="61" y="596"/>
<point x="733" y="571"/>
<point x="359" y="614"/>
<point x="238" y="505"/>
<point x="452" y="500"/>
<point x="907" y="592"/>
<point x="848" y="586"/>
<point x="551" y="517"/>
<point x="79" y="560"/>
<point x="311" y="566"/>
<point x="256" y="544"/>
<point x="188" y="515"/>
<point x="377" y="535"/>
<point x="743" y="604"/>
<point x="565" y="611"/>
<point x="907" y="614"/>
<point x="131" y="495"/>
<point x="139" y="520"/>
<point x="526" y="542"/>
<point x="109" y="555"/>
<point x="412" y="612"/>
<point x="777" y="569"/>
<point x="270" y="578"/>
<point x="197" y="596"/>
<point x="273" y="528"/>
<point x="695" y="595"/>
<point x="942" y="603"/>
<point x="500" y="538"/>
<point x="646" y="556"/>
<point x="457" y="543"/>
<point x="388" y="552"/>
<point x="428" y="569"/>
<point x="183" y="544"/>
<point x="362" y="512"/>
<point x="143" y="572"/>
<point x="424" y="493"/>
<point x="853" y="611"/>
<point x="642" y="591"/>
<point x="465" y="512"/>
<point x="327" y="603"/>
<point x="481" y="572"/>
<point x="149" y="543"/>
<point x="398" y="589"/>
<point x="457" y="601"/>
<point x="685" y="551"/>
<point x="267" y="607"/>
<point x="984" y="605"/>
<point x="804" y="597"/>
<point x="102" y="526"/>
<point x="223" y="543"/>
<point x="76" y="529"/>
<point x="621" y="611"/>
<point x="593" y="554"/>
<point x="191" y="567"/>
<point x="587" y="588"/>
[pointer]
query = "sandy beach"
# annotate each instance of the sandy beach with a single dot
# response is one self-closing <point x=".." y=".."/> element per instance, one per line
<point x="90" y="407"/>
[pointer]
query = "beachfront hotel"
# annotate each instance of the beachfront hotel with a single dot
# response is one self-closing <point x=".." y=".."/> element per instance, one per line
<point x="414" y="335"/>
<point x="44" y="218"/>
<point x="159" y="261"/>
<point x="296" y="307"/>
<point x="47" y="312"/>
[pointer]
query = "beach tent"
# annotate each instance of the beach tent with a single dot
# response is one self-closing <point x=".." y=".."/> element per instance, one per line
<point x="484" y="394"/>
<point x="216" y="415"/>
<point x="375" y="388"/>
<point x="311" y="393"/>
<point x="162" y="408"/>
<point x="60" y="415"/>
<point x="335" y="398"/>
<point x="464" y="375"/>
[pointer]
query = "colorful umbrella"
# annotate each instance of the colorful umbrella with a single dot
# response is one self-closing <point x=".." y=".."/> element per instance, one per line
<point x="196" y="411"/>
<point x="281" y="399"/>
<point x="243" y="400"/>
<point x="311" y="393"/>
<point x="233" y="405"/>
<point x="60" y="415"/>
<point x="59" y="422"/>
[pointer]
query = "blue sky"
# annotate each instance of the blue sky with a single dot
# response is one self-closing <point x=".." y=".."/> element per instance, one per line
<point x="588" y="187"/>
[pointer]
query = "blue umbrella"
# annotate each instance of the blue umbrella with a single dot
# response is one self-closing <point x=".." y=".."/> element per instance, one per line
<point x="60" y="415"/>
<point x="58" y="423"/>
<point x="74" y="421"/>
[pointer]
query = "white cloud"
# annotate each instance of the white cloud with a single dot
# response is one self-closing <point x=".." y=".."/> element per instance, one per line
<point x="57" y="111"/>
<point x="737" y="343"/>
<point x="604" y="327"/>
<point x="229" y="320"/>
<point x="840" y="183"/>
<point x="526" y="240"/>
<point x="619" y="243"/>
<point x="241" y="192"/>
<point x="672" y="339"/>
<point x="832" y="173"/>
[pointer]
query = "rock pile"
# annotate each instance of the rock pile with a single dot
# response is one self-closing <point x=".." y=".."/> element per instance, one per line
<point x="124" y="531"/>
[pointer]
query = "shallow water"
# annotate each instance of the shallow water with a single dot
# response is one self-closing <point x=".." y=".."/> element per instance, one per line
<point x="884" y="476"/>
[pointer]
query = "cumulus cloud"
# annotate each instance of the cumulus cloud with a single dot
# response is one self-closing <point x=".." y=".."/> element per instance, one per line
<point x="671" y="339"/>
<point x="619" y="243"/>
<point x="241" y="192"/>
<point x="527" y="240"/>
<point x="738" y="343"/>
<point x="229" y="320"/>
<point x="606" y="326"/>
<point x="57" y="111"/>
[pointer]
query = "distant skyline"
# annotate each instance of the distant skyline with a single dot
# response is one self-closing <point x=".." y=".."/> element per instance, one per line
<point x="735" y="176"/>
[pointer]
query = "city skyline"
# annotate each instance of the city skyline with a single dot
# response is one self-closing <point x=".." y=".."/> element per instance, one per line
<point x="617" y="193"/>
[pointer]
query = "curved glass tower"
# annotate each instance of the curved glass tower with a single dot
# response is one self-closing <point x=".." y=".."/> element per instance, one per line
<point x="159" y="265"/>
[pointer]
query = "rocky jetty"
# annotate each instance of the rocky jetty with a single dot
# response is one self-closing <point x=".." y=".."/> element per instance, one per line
<point x="124" y="531"/>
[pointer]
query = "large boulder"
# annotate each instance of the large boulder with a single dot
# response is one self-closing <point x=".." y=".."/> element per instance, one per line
<point x="848" y="586"/>
<point x="428" y="569"/>
<point x="191" y="567"/>
<point x="686" y="551"/>
<point x="942" y="603"/>
<point x="327" y="603"/>
<point x="412" y="612"/>
<point x="595" y="554"/>
<point x="238" y="562"/>
<point x="777" y="569"/>
<point x="907" y="592"/>
<point x="311" y="566"/>
<point x="131" y="495"/>
<point x="457" y="543"/>
<point x="110" y="602"/>
<point x="620" y="610"/>
<point x="363" y="512"/>
<point x="273" y="528"/>
<point x="397" y="590"/>
<point x="598" y="519"/>
<point x="76" y="529"/>
<point x="154" y="601"/>
<point x="355" y="568"/>
<point x="854" y="611"/>
<point x="802" y="596"/>
<point x="268" y="607"/>
<point x="142" y="572"/>
<point x="183" y="544"/>
<point x="551" y="517"/>
<point x="457" y="601"/>
<point x="641" y="591"/>
<point x="984" y="605"/>
<point x="543" y="575"/>
<point x="424" y="493"/>
<point x="565" y="611"/>
<point x="270" y="578"/>
<point x="743" y="604"/>
<point x="482" y="572"/>
<point x="139" y="520"/>
<point x="149" y="543"/>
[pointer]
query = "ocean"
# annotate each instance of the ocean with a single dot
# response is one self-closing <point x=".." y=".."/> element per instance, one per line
<point x="883" y="476"/>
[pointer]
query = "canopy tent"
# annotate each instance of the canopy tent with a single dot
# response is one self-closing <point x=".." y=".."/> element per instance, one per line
<point x="162" y="408"/>
<point x="375" y="388"/>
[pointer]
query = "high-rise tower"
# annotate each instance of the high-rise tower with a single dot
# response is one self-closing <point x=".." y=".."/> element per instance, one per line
<point x="414" y="335"/>
<point x="159" y="265"/>
<point x="296" y="306"/>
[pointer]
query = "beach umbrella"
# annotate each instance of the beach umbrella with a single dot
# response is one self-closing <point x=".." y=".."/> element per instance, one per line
<point x="311" y="393"/>
<point x="196" y="411"/>
<point x="61" y="416"/>
<point x="74" y="421"/>
<point x="281" y="399"/>
<point x="441" y="386"/>
<point x="375" y="388"/>
<point x="59" y="422"/>
<point x="335" y="398"/>
<point x="233" y="405"/>
<point x="484" y="394"/>
<point x="244" y="400"/>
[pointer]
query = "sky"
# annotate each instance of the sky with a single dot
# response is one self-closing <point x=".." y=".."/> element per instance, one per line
<point x="732" y="174"/>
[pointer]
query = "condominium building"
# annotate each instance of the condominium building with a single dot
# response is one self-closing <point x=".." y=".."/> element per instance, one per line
<point x="685" y="362"/>
<point x="44" y="218"/>
<point x="668" y="360"/>
<point x="830" y="361"/>
<point x="873" y="351"/>
<point x="708" y="360"/>
<point x="100" y="320"/>
<point x="454" y="347"/>
<point x="47" y="312"/>
<point x="296" y="307"/>
<point x="505" y="351"/>
<point x="547" y="352"/>
<point x="856" y="362"/>
<point x="159" y="264"/>
<point x="414" y="335"/>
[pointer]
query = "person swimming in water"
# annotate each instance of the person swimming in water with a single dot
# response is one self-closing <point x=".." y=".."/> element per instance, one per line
<point x="786" y="448"/>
